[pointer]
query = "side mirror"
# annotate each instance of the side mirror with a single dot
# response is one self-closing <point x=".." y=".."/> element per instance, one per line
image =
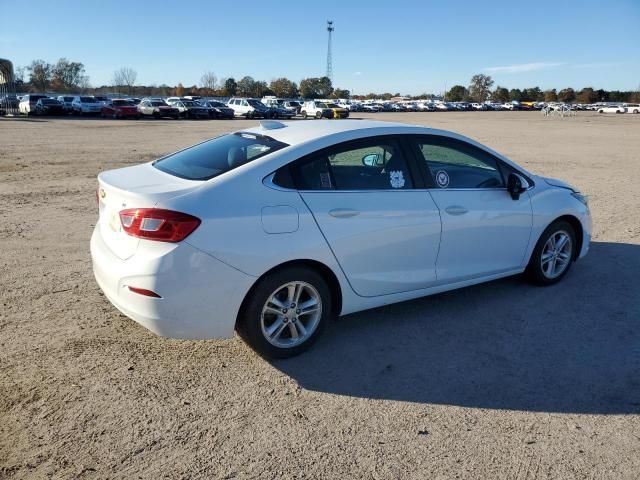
<point x="516" y="185"/>
<point x="371" y="160"/>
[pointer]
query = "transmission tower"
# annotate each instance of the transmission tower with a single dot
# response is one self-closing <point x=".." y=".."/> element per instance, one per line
<point x="329" y="60"/>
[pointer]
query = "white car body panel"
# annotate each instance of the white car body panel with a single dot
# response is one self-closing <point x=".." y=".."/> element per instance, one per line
<point x="250" y="226"/>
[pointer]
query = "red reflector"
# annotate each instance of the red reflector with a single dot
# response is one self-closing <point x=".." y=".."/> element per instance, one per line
<point x="158" y="224"/>
<point x="142" y="291"/>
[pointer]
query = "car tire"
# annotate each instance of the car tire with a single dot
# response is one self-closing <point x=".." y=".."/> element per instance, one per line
<point x="269" y="320"/>
<point x="318" y="115"/>
<point x="304" y="114"/>
<point x="553" y="254"/>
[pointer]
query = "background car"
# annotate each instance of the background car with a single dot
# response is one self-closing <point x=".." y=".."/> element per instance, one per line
<point x="300" y="231"/>
<point x="190" y="109"/>
<point x="157" y="108"/>
<point x="84" y="105"/>
<point x="66" y="102"/>
<point x="49" y="106"/>
<point x="612" y="109"/>
<point x="249" y="108"/>
<point x="120" y="108"/>
<point x="28" y="102"/>
<point x="632" y="107"/>
<point x="315" y="109"/>
<point x="217" y="109"/>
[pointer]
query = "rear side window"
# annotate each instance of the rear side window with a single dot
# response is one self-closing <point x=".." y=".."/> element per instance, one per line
<point x="219" y="155"/>
<point x="369" y="165"/>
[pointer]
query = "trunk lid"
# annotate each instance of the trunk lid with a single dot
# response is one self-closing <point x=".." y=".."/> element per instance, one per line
<point x="140" y="186"/>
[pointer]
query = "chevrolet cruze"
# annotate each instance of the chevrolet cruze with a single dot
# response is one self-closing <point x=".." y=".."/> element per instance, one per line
<point x="273" y="230"/>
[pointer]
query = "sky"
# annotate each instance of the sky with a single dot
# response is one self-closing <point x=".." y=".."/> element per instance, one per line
<point x="405" y="46"/>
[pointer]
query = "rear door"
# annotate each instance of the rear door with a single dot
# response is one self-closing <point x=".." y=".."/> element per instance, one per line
<point x="383" y="231"/>
<point x="484" y="231"/>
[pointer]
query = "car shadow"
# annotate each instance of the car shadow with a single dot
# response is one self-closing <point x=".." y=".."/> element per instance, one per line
<point x="573" y="347"/>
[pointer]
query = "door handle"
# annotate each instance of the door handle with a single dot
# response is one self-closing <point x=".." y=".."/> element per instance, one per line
<point x="456" y="210"/>
<point x="343" y="212"/>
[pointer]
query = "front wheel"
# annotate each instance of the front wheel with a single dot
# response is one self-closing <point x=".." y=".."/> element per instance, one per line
<point x="285" y="312"/>
<point x="304" y="114"/>
<point x="552" y="257"/>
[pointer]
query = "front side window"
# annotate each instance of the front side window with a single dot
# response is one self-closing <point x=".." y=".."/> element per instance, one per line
<point x="456" y="164"/>
<point x="376" y="165"/>
<point x="217" y="156"/>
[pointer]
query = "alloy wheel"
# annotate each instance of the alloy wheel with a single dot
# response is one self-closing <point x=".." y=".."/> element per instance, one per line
<point x="291" y="314"/>
<point x="556" y="254"/>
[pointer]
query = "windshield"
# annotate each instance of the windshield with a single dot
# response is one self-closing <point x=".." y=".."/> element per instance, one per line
<point x="87" y="100"/>
<point x="321" y="105"/>
<point x="217" y="156"/>
<point x="157" y="104"/>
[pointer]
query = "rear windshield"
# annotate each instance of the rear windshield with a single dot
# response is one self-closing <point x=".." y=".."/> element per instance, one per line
<point x="219" y="155"/>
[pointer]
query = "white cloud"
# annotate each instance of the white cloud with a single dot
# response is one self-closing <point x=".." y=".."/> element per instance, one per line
<point x="357" y="73"/>
<point x="523" y="67"/>
<point x="598" y="65"/>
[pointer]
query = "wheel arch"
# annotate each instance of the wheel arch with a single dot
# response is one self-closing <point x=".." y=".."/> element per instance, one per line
<point x="327" y="274"/>
<point x="577" y="229"/>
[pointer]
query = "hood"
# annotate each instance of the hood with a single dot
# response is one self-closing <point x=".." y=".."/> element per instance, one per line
<point x="554" y="182"/>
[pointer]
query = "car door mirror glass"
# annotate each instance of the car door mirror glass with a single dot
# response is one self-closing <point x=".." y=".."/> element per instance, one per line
<point x="516" y="185"/>
<point x="372" y="160"/>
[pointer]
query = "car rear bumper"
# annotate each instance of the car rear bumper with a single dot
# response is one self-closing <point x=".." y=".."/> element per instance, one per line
<point x="201" y="296"/>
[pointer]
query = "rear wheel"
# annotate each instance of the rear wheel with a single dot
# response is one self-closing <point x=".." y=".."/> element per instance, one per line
<point x="552" y="257"/>
<point x="285" y="312"/>
<point x="318" y="115"/>
<point x="304" y="114"/>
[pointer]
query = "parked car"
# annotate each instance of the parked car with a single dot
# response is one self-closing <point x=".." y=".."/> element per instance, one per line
<point x="315" y="109"/>
<point x="157" y="108"/>
<point x="279" y="227"/>
<point x="120" y="108"/>
<point x="101" y="99"/>
<point x="632" y="107"/>
<point x="218" y="109"/>
<point x="190" y="109"/>
<point x="478" y="106"/>
<point x="281" y="112"/>
<point x="49" y="106"/>
<point x="28" y="102"/>
<point x="612" y="109"/>
<point x="66" y="101"/>
<point x="82" y="105"/>
<point x="249" y="108"/>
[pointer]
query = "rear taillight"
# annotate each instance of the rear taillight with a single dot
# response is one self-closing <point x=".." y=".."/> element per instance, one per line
<point x="158" y="224"/>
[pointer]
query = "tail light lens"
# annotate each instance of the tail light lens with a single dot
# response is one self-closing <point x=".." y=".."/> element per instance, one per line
<point x="158" y="224"/>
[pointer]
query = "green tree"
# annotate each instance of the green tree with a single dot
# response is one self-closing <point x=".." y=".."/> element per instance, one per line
<point x="66" y="76"/>
<point x="246" y="86"/>
<point x="567" y="95"/>
<point x="550" y="95"/>
<point x="40" y="74"/>
<point x="515" y="94"/>
<point x="456" y="94"/>
<point x="532" y="94"/>
<point x="500" y="94"/>
<point x="340" y="93"/>
<point x="230" y="87"/>
<point x="316" y="87"/>
<point x="480" y="87"/>
<point x="587" y="95"/>
<point x="283" y="87"/>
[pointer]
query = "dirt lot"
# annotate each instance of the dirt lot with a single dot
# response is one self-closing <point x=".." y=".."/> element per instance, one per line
<point x="498" y="381"/>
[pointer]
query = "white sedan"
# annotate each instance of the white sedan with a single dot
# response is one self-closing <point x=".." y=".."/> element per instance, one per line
<point x="612" y="109"/>
<point x="273" y="230"/>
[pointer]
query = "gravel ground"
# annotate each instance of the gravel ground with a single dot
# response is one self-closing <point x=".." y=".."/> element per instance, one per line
<point x="500" y="381"/>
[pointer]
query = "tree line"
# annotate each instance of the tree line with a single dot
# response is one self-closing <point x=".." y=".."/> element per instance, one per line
<point x="480" y="90"/>
<point x="66" y="76"/>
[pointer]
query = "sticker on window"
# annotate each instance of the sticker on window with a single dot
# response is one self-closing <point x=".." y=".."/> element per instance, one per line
<point x="396" y="178"/>
<point x="442" y="179"/>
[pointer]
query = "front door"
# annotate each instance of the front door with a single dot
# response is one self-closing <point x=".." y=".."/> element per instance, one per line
<point x="484" y="231"/>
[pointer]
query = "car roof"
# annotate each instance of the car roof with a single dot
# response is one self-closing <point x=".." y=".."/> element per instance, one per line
<point x="300" y="131"/>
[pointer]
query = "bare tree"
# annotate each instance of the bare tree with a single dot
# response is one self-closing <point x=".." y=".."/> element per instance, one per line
<point x="209" y="81"/>
<point x="125" y="77"/>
